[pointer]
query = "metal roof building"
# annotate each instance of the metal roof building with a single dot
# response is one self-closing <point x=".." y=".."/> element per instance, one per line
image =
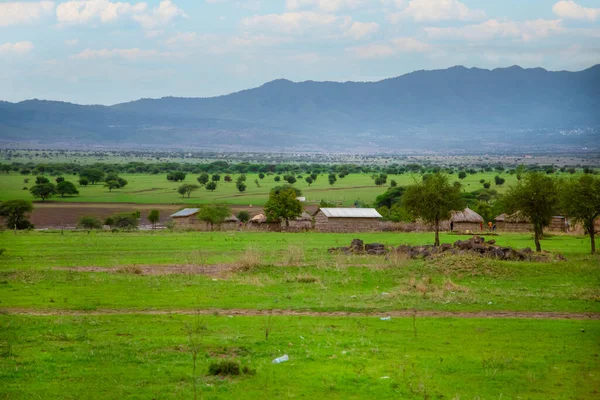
<point x="186" y="212"/>
<point x="350" y="212"/>
<point x="347" y="220"/>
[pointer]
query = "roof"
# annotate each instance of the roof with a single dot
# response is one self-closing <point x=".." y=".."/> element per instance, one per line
<point x="514" y="218"/>
<point x="232" y="218"/>
<point x="260" y="218"/>
<point x="304" y="217"/>
<point x="350" y="212"/>
<point x="466" y="215"/>
<point x="186" y="212"/>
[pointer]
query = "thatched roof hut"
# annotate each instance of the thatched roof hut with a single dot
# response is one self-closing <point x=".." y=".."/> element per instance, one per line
<point x="515" y="222"/>
<point x="466" y="220"/>
<point x="258" y="219"/>
<point x="302" y="223"/>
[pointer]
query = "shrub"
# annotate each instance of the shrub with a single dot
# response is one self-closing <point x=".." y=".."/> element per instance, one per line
<point x="227" y="367"/>
<point x="89" y="223"/>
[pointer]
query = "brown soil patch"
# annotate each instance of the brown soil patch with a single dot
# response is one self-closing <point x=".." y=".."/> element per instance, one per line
<point x="219" y="270"/>
<point x="293" y="313"/>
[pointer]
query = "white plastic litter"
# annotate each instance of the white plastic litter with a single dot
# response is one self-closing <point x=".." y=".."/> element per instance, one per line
<point x="281" y="359"/>
<point x="385" y="318"/>
<point x="385" y="377"/>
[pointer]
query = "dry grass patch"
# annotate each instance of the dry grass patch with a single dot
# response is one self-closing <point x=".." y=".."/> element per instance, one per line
<point x="250" y="259"/>
<point x="294" y="255"/>
<point x="427" y="288"/>
<point x="468" y="265"/>
<point x="130" y="269"/>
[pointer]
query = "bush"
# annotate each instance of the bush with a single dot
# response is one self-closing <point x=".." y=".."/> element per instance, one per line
<point x="126" y="221"/>
<point x="89" y="223"/>
<point x="229" y="367"/>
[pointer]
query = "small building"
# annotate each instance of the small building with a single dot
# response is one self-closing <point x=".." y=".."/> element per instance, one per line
<point x="347" y="220"/>
<point x="186" y="218"/>
<point x="466" y="220"/>
<point x="515" y="222"/>
<point x="558" y="224"/>
<point x="301" y="224"/>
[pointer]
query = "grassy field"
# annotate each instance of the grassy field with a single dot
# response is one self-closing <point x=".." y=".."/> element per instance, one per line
<point x="80" y="350"/>
<point x="155" y="189"/>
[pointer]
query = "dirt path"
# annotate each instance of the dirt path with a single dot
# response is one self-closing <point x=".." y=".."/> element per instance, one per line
<point x="258" y="313"/>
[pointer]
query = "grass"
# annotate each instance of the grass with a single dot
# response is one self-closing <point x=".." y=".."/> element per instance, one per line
<point x="108" y="357"/>
<point x="262" y="271"/>
<point x="153" y="356"/>
<point x="155" y="189"/>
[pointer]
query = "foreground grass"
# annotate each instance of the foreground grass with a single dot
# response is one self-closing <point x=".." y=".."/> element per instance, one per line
<point x="108" y="357"/>
<point x="281" y="271"/>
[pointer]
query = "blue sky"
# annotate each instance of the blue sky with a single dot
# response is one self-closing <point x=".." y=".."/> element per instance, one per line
<point x="110" y="51"/>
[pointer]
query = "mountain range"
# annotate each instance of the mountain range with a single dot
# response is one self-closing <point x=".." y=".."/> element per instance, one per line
<point x="455" y="109"/>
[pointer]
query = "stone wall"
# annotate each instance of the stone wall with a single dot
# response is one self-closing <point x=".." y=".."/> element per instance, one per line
<point x="340" y="225"/>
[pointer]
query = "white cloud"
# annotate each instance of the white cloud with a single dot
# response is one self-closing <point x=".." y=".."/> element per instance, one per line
<point x="325" y="5"/>
<point x="359" y="30"/>
<point x="20" y="12"/>
<point x="294" y="22"/>
<point x="16" y="48"/>
<point x="83" y="11"/>
<point x="161" y="15"/>
<point x="395" y="46"/>
<point x="571" y="10"/>
<point x="128" y="54"/>
<point x="491" y="29"/>
<point x="72" y="42"/>
<point x="437" y="10"/>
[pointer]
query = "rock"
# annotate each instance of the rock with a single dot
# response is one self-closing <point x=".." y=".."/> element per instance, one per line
<point x="491" y="241"/>
<point x="357" y="246"/>
<point x="477" y="239"/>
<point x="445" y="247"/>
<point x="375" y="248"/>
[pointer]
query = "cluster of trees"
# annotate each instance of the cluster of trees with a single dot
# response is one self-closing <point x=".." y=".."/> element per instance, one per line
<point x="44" y="189"/>
<point x="294" y="169"/>
<point x="123" y="221"/>
<point x="536" y="196"/>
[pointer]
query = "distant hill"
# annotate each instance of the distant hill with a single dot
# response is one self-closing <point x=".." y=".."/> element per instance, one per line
<point x="456" y="108"/>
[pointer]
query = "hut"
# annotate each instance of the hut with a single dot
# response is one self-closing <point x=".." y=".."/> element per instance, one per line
<point x="558" y="223"/>
<point x="515" y="222"/>
<point x="186" y="218"/>
<point x="259" y="222"/>
<point x="347" y="220"/>
<point x="301" y="224"/>
<point x="466" y="220"/>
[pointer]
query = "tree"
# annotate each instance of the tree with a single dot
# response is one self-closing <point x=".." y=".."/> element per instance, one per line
<point x="580" y="199"/>
<point x="187" y="189"/>
<point x="211" y="186"/>
<point x="462" y="175"/>
<point x="309" y="180"/>
<point x="66" y="187"/>
<point x="241" y="186"/>
<point x="392" y="196"/>
<point x="332" y="179"/>
<point x="93" y="175"/>
<point x="83" y="181"/>
<point x="499" y="181"/>
<point x="433" y="200"/>
<point x="176" y="176"/>
<point x="88" y="223"/>
<point x="393" y="183"/>
<point x="154" y="217"/>
<point x="15" y="213"/>
<point x="520" y="170"/>
<point x="43" y="191"/>
<point x="60" y="179"/>
<point x="314" y="177"/>
<point x="41" y="180"/>
<point x="214" y="214"/>
<point x="216" y="178"/>
<point x="283" y="205"/>
<point x="227" y="178"/>
<point x="261" y="175"/>
<point x="536" y="198"/>
<point x="277" y="178"/>
<point x="291" y="179"/>
<point x="243" y="216"/>
<point x="112" y="185"/>
<point x="486" y="185"/>
<point x="203" y="179"/>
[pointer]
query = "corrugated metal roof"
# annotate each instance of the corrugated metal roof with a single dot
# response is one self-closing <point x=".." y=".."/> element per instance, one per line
<point x="186" y="212"/>
<point x="350" y="212"/>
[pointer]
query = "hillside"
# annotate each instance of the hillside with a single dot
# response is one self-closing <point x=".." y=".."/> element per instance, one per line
<point x="449" y="109"/>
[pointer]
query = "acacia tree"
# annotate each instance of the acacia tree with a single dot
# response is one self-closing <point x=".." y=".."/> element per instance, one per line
<point x="15" y="213"/>
<point x="43" y="190"/>
<point x="203" y="179"/>
<point x="89" y="222"/>
<point x="580" y="199"/>
<point x="536" y="198"/>
<point x="93" y="175"/>
<point x="187" y="189"/>
<point x="433" y="200"/>
<point x="214" y="214"/>
<point x="283" y="205"/>
<point x="66" y="187"/>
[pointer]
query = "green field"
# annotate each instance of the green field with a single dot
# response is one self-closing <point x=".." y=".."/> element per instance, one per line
<point x="96" y="338"/>
<point x="155" y="189"/>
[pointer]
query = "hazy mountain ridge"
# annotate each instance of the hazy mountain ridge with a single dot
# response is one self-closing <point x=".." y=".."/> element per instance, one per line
<point x="441" y="108"/>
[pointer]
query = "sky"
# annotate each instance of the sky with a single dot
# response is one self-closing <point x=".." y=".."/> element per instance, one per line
<point x="107" y="52"/>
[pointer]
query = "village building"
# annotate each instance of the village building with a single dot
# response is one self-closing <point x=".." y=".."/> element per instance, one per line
<point x="517" y="222"/>
<point x="259" y="223"/>
<point x="188" y="219"/>
<point x="466" y="220"/>
<point x="347" y="220"/>
<point x="300" y="224"/>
